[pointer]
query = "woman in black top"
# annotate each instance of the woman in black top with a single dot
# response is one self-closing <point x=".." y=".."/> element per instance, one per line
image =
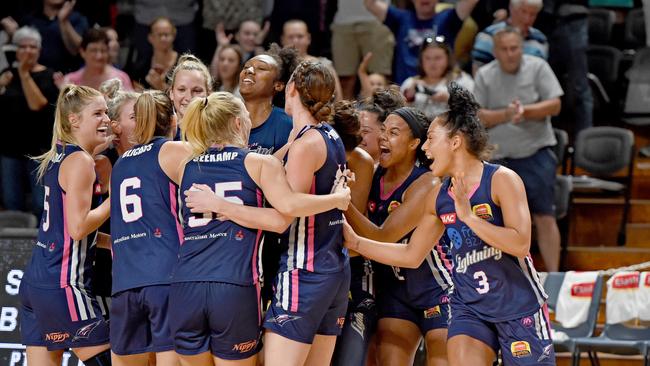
<point x="27" y="98"/>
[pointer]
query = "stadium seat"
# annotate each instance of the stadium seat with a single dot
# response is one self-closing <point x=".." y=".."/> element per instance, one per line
<point x="603" y="152"/>
<point x="552" y="286"/>
<point x="560" y="148"/>
<point x="634" y="35"/>
<point x="601" y="23"/>
<point x="637" y="101"/>
<point x="17" y="219"/>
<point x="604" y="62"/>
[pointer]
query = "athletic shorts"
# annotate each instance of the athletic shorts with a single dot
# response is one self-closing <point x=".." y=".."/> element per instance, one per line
<point x="308" y="303"/>
<point x="523" y="341"/>
<point x="351" y="42"/>
<point x="140" y="321"/>
<point x="538" y="174"/>
<point x="218" y="317"/>
<point x="391" y="306"/>
<point x="61" y="318"/>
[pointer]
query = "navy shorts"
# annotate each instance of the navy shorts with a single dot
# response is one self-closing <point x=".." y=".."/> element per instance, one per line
<point x="218" y="317"/>
<point x="523" y="341"/>
<point x="61" y="318"/>
<point x="392" y="306"/>
<point x="308" y="303"/>
<point x="538" y="174"/>
<point x="140" y="321"/>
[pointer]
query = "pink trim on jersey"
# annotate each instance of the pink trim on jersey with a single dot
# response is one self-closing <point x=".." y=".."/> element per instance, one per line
<point x="310" y="233"/>
<point x="445" y="261"/>
<point x="385" y="196"/>
<point x="258" y="291"/>
<point x="64" y="266"/>
<point x="548" y="322"/>
<point x="471" y="191"/>
<point x="294" y="290"/>
<point x="174" y="209"/>
<point x="257" y="241"/>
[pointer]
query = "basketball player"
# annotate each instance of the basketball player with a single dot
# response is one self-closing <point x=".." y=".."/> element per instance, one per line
<point x="189" y="79"/>
<point x="214" y="298"/>
<point x="412" y="303"/>
<point x="146" y="237"/>
<point x="59" y="307"/>
<point x="497" y="302"/>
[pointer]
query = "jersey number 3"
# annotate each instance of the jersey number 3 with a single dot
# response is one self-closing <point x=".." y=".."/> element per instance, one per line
<point x="220" y="190"/>
<point x="484" y="285"/>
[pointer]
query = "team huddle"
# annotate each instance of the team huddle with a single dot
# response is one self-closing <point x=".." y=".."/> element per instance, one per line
<point x="367" y="260"/>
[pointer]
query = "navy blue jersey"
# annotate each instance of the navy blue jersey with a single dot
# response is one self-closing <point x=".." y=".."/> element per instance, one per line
<point x="215" y="250"/>
<point x="145" y="229"/>
<point x="426" y="285"/>
<point x="59" y="261"/>
<point x="271" y="135"/>
<point x="315" y="243"/>
<point x="495" y="285"/>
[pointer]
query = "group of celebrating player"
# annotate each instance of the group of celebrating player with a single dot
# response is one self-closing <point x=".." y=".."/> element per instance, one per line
<point x="188" y="210"/>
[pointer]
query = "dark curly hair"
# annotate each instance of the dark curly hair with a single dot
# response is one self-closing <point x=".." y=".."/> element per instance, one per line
<point x="418" y="123"/>
<point x="383" y="102"/>
<point x="462" y="117"/>
<point x="287" y="59"/>
<point x="315" y="85"/>
<point x="345" y="121"/>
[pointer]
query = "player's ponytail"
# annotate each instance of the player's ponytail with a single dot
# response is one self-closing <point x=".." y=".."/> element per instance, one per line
<point x="154" y="116"/>
<point x="462" y="117"/>
<point x="210" y="121"/>
<point x="72" y="99"/>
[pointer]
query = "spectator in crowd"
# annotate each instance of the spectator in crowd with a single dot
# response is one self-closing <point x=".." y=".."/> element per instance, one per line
<point x="522" y="16"/>
<point x="249" y="37"/>
<point x="182" y="14"/>
<point x="568" y="29"/>
<point x="113" y="46"/>
<point x="370" y="82"/>
<point x="518" y="94"/>
<point x="97" y="68"/>
<point x="151" y="72"/>
<point x="225" y="68"/>
<point x="231" y="14"/>
<point x="488" y="12"/>
<point x="296" y="34"/>
<point x="355" y="33"/>
<point x="61" y="29"/>
<point x="27" y="97"/>
<point x="412" y="27"/>
<point x="427" y="91"/>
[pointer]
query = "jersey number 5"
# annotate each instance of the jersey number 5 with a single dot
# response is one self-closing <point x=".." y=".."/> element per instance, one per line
<point x="482" y="282"/>
<point x="132" y="200"/>
<point x="220" y="190"/>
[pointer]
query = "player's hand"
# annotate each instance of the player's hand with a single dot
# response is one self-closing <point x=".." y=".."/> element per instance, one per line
<point x="461" y="199"/>
<point x="341" y="189"/>
<point x="201" y="199"/>
<point x="350" y="238"/>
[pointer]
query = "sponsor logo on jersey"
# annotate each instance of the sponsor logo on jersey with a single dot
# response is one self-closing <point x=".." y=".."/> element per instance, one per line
<point x="239" y="236"/>
<point x="340" y="321"/>
<point x="282" y="319"/>
<point x="449" y="218"/>
<point x="520" y="349"/>
<point x="98" y="188"/>
<point x="57" y="337"/>
<point x="483" y="211"/>
<point x="627" y="281"/>
<point x="245" y="347"/>
<point x="583" y="289"/>
<point x="527" y="322"/>
<point x="85" y="331"/>
<point x="546" y="353"/>
<point x="372" y="206"/>
<point x="433" y="312"/>
<point x="444" y="299"/>
<point x="157" y="233"/>
<point x="488" y="252"/>
<point x="52" y="247"/>
<point x="393" y="205"/>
